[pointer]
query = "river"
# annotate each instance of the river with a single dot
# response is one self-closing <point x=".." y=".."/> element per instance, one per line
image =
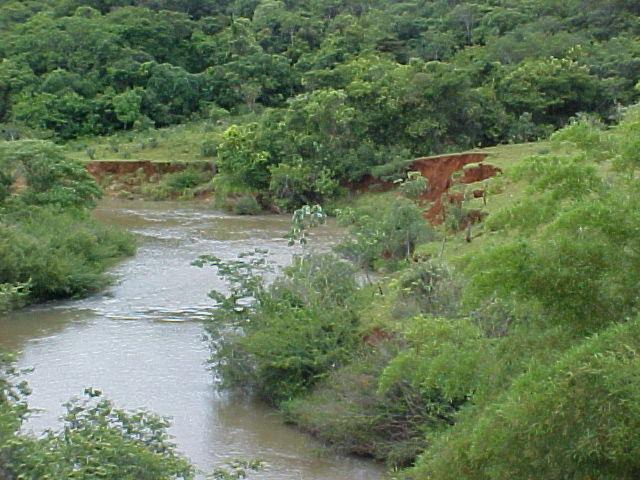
<point x="143" y="344"/>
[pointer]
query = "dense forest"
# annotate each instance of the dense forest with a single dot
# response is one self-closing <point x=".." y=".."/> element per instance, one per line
<point x="342" y="86"/>
<point x="499" y="341"/>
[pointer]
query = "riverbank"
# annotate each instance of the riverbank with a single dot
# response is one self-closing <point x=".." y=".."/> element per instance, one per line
<point x="464" y="332"/>
<point x="50" y="247"/>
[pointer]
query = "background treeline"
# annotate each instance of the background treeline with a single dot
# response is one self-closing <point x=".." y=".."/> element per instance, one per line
<point x="348" y="85"/>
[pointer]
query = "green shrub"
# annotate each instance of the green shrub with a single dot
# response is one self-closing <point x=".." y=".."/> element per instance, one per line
<point x="49" y="245"/>
<point x="574" y="418"/>
<point x="279" y="340"/>
<point x="426" y="287"/>
<point x="156" y="191"/>
<point x="50" y="177"/>
<point x="581" y="269"/>
<point x="184" y="183"/>
<point x="291" y="186"/>
<point x="389" y="228"/>
<point x="349" y="412"/>
<point x="61" y="254"/>
<point x="414" y="185"/>
<point x="208" y="149"/>
<point x="246" y="205"/>
<point x="13" y="296"/>
<point x="185" y="179"/>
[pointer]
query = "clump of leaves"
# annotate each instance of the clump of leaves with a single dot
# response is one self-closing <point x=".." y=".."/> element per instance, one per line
<point x="303" y="220"/>
<point x="97" y="440"/>
<point x="236" y="469"/>
<point x="277" y="340"/>
<point x="383" y="231"/>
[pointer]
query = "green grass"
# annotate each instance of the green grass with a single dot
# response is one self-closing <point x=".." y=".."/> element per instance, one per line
<point x="506" y="156"/>
<point x="179" y="143"/>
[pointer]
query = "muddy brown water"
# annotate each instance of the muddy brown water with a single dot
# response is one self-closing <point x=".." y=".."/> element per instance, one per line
<point x="142" y="343"/>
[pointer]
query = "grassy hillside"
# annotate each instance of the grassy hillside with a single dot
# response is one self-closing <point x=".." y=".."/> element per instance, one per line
<point x="180" y="143"/>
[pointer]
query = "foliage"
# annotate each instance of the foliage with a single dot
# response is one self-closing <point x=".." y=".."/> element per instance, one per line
<point x="303" y="220"/>
<point x="278" y="340"/>
<point x="13" y="296"/>
<point x="186" y="179"/>
<point x="508" y="385"/>
<point x="426" y="287"/>
<point x="387" y="231"/>
<point x="246" y="205"/>
<point x="335" y="90"/>
<point x="414" y="186"/>
<point x="347" y="411"/>
<point x="50" y="247"/>
<point x="235" y="469"/>
<point x="443" y="360"/>
<point x="292" y="186"/>
<point x="59" y="254"/>
<point x="551" y="90"/>
<point x="238" y="159"/>
<point x="185" y="183"/>
<point x="49" y="177"/>
<point x="578" y="266"/>
<point x="96" y="441"/>
<point x="127" y="106"/>
<point x="13" y="405"/>
<point x="519" y="363"/>
<point x="574" y="418"/>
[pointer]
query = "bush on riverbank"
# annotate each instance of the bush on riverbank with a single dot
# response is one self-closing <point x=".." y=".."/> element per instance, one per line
<point x="279" y="340"/>
<point x="385" y="229"/>
<point x="59" y="254"/>
<point x="184" y="184"/>
<point x="96" y="440"/>
<point x="349" y="411"/>
<point x="50" y="247"/>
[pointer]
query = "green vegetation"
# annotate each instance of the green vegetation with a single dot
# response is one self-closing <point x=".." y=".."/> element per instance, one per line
<point x="386" y="229"/>
<point x="194" y="141"/>
<point x="293" y="99"/>
<point x="96" y="440"/>
<point x="499" y="345"/>
<point x="187" y="183"/>
<point x="50" y="247"/>
<point x="512" y="358"/>
<point x="292" y="333"/>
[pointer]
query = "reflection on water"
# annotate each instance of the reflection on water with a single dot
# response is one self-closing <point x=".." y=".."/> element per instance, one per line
<point x="141" y="342"/>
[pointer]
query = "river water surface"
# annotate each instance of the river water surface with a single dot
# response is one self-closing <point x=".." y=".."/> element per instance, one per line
<point x="142" y="343"/>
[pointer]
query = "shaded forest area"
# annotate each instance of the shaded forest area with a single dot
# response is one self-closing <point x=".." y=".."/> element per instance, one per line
<point x="342" y="86"/>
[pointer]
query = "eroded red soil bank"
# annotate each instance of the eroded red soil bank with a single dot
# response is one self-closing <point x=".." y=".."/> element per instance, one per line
<point x="440" y="170"/>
